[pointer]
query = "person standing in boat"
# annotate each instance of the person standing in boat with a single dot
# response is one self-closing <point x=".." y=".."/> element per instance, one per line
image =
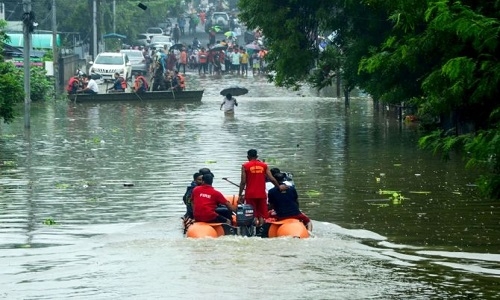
<point x="286" y="203"/>
<point x="228" y="103"/>
<point x="253" y="181"/>
<point x="206" y="199"/>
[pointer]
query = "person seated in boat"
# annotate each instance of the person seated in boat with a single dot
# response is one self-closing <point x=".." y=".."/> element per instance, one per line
<point x="188" y="217"/>
<point x="288" y="179"/>
<point x="168" y="80"/>
<point x="140" y="83"/>
<point x="91" y="87"/>
<point x="205" y="200"/>
<point x="285" y="203"/>
<point x="119" y="85"/>
<point x="178" y="83"/>
<point x="73" y="85"/>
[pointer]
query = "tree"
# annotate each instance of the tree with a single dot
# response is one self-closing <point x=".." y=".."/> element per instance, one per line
<point x="11" y="89"/>
<point x="440" y="56"/>
<point x="450" y="51"/>
<point x="130" y="20"/>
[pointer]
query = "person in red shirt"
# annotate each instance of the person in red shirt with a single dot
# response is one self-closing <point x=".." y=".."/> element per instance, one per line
<point x="205" y="200"/>
<point x="253" y="181"/>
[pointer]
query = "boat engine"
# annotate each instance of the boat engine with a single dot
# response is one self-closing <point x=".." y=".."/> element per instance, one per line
<point x="244" y="219"/>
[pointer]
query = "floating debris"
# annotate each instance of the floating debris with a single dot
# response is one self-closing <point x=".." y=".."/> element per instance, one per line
<point x="129" y="184"/>
<point x="313" y="193"/>
<point x="49" y="221"/>
<point x="387" y="192"/>
<point x="62" y="186"/>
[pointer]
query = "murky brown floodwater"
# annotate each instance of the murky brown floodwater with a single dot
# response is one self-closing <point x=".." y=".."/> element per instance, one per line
<point x="440" y="241"/>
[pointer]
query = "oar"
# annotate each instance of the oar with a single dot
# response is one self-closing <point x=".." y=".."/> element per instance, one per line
<point x="172" y="89"/>
<point x="133" y="91"/>
<point x="225" y="178"/>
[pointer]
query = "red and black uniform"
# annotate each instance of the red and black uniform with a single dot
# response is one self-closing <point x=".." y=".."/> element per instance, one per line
<point x="286" y="205"/>
<point x="205" y="200"/>
<point x="255" y="189"/>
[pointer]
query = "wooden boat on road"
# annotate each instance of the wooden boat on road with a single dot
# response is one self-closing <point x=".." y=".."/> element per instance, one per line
<point x="168" y="96"/>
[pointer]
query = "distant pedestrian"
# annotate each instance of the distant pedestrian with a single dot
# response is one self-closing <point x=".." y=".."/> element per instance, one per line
<point x="176" y="33"/>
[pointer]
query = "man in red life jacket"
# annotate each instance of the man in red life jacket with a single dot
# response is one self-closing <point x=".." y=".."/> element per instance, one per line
<point x="205" y="200"/>
<point x="140" y="83"/>
<point x="203" y="61"/>
<point x="119" y="85"/>
<point x="253" y="181"/>
<point x="178" y="83"/>
<point x="73" y="85"/>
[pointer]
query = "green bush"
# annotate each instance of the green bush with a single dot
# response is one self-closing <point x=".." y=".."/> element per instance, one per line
<point x="11" y="91"/>
<point x="41" y="87"/>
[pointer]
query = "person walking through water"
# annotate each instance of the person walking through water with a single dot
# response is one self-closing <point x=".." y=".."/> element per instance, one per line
<point x="253" y="181"/>
<point x="228" y="103"/>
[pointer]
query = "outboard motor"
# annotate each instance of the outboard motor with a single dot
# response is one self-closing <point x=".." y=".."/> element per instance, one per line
<point x="244" y="219"/>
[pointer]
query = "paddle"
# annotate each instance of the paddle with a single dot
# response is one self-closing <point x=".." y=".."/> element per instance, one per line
<point x="133" y="90"/>
<point x="172" y="88"/>
<point x="225" y="178"/>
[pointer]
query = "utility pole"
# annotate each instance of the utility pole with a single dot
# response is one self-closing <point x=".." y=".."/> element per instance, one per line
<point x="55" y="51"/>
<point x="27" y="26"/>
<point x="114" y="16"/>
<point x="94" y="29"/>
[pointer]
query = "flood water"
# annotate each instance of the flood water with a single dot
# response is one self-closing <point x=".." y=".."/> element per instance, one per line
<point x="112" y="175"/>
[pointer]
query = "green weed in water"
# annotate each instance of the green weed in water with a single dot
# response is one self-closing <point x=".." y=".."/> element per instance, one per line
<point x="313" y="193"/>
<point x="49" y="221"/>
<point x="8" y="163"/>
<point x="62" y="186"/>
<point x="94" y="140"/>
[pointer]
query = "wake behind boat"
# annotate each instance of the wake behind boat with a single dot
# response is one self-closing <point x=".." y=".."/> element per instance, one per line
<point x="185" y="96"/>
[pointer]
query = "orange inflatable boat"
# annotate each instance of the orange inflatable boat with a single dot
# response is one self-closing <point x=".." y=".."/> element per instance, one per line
<point x="243" y="225"/>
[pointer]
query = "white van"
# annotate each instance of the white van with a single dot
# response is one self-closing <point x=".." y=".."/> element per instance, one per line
<point x="107" y="64"/>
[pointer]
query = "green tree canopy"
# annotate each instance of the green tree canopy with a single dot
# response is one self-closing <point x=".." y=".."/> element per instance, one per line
<point x="441" y="56"/>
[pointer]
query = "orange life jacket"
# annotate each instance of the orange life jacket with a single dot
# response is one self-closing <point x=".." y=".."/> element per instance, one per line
<point x="139" y="81"/>
<point x="182" y="84"/>
<point x="124" y="83"/>
<point x="71" y="82"/>
<point x="202" y="57"/>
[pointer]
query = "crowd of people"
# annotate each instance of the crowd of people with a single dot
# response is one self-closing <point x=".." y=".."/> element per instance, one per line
<point x="203" y="202"/>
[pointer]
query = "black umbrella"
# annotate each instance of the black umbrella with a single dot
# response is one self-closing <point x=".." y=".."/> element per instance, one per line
<point x="177" y="46"/>
<point x="218" y="47"/>
<point x="234" y="90"/>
